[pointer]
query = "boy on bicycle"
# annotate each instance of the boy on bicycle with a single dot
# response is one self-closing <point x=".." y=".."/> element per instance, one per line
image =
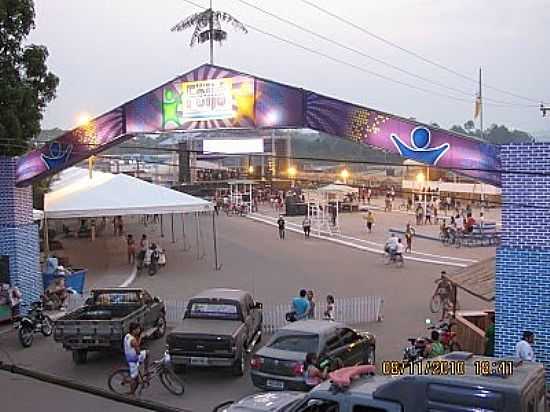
<point x="134" y="355"/>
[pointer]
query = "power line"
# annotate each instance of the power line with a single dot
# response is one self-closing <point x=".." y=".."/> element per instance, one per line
<point x="327" y="159"/>
<point x="412" y="53"/>
<point x="340" y="61"/>
<point x="380" y="61"/>
<point x="405" y="192"/>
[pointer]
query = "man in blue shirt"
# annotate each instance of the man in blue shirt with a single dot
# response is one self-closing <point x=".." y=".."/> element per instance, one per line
<point x="300" y="305"/>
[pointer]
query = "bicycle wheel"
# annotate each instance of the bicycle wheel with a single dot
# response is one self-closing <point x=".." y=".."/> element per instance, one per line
<point x="171" y="382"/>
<point x="435" y="303"/>
<point x="120" y="381"/>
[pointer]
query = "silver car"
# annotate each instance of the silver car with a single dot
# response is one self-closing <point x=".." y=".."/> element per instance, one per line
<point x="279" y="365"/>
<point x="263" y="402"/>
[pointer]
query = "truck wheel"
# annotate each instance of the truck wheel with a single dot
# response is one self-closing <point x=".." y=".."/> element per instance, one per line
<point x="80" y="356"/>
<point x="240" y="364"/>
<point x="161" y="328"/>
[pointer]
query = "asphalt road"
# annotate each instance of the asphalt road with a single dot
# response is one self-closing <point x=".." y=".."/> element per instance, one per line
<point x="253" y="258"/>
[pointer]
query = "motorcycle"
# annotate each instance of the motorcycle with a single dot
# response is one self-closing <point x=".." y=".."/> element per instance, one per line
<point x="446" y="335"/>
<point x="416" y="351"/>
<point x="33" y="322"/>
<point x="391" y="256"/>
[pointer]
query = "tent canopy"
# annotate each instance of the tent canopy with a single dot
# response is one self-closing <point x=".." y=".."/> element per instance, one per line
<point x="338" y="188"/>
<point x="106" y="194"/>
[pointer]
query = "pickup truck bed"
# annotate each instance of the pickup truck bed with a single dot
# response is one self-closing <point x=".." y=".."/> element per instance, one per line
<point x="100" y="326"/>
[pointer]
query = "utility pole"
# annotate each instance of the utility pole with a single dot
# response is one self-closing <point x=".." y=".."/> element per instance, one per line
<point x="211" y="29"/>
<point x="482" y="189"/>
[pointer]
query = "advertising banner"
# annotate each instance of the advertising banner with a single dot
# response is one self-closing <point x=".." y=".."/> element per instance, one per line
<point x="212" y="97"/>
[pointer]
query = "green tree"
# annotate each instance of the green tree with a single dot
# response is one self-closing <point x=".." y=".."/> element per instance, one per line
<point x="26" y="85"/>
<point x="469" y="126"/>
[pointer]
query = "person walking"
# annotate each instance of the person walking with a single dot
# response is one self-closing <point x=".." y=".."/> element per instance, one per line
<point x="370" y="221"/>
<point x="409" y="233"/>
<point x="300" y="305"/>
<point x="143" y="247"/>
<point x="131" y="246"/>
<point x="311" y="310"/>
<point x="281" y="224"/>
<point x="419" y="214"/>
<point x="331" y="308"/>
<point x="428" y="214"/>
<point x="306" y="225"/>
<point x="524" y="348"/>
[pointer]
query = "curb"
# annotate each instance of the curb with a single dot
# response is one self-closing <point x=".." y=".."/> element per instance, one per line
<point x="356" y="246"/>
<point x="130" y="279"/>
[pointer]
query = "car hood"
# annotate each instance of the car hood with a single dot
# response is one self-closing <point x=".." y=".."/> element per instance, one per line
<point x="282" y="354"/>
<point x="266" y="401"/>
<point x="207" y="327"/>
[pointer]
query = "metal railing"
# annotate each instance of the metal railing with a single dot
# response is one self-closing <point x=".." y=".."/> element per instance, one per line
<point x="351" y="310"/>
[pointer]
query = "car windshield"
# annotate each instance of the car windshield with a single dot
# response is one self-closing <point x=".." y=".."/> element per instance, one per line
<point x="296" y="343"/>
<point x="116" y="298"/>
<point x="213" y="310"/>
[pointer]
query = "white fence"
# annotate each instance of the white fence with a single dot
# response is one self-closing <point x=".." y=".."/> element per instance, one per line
<point x="353" y="311"/>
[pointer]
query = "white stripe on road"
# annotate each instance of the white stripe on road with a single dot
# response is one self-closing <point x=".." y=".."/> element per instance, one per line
<point x="354" y="245"/>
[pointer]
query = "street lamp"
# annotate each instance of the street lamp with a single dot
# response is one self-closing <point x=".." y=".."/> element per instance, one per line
<point x="344" y="174"/>
<point x="83" y="119"/>
<point x="420" y="179"/>
<point x="291" y="171"/>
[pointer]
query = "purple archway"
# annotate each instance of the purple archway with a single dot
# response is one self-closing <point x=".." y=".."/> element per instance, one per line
<point x="212" y="97"/>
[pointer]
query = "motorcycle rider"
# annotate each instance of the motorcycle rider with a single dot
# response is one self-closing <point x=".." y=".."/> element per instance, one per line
<point x="435" y="348"/>
<point x="391" y="245"/>
<point x="134" y="355"/>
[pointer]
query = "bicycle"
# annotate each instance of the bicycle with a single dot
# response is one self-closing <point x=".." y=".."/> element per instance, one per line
<point x="120" y="381"/>
<point x="441" y="295"/>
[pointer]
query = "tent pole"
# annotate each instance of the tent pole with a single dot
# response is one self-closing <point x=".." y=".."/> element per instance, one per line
<point x="183" y="232"/>
<point x="161" y="226"/>
<point x="173" y="235"/>
<point x="197" y="234"/>
<point x="46" y="237"/>
<point x="217" y="266"/>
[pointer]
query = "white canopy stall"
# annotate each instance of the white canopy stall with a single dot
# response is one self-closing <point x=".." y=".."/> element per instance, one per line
<point x="77" y="195"/>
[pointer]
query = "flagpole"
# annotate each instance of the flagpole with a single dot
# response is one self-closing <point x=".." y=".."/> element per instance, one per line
<point x="480" y="106"/>
<point x="482" y="195"/>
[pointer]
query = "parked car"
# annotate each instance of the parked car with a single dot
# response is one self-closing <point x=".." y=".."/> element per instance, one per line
<point x="488" y="384"/>
<point x="220" y="327"/>
<point x="279" y="365"/>
<point x="104" y="320"/>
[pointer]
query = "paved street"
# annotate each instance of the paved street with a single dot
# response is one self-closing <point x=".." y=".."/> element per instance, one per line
<point x="253" y="258"/>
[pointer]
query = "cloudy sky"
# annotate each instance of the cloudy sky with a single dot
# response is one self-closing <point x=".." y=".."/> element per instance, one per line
<point x="109" y="51"/>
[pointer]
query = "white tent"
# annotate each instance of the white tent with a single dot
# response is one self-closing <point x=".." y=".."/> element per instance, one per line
<point x="75" y="194"/>
<point x="338" y="188"/>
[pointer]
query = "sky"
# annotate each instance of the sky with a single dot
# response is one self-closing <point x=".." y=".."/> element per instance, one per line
<point x="107" y="52"/>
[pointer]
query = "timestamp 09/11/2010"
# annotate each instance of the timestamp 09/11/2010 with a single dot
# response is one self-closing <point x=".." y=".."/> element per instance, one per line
<point x="447" y="368"/>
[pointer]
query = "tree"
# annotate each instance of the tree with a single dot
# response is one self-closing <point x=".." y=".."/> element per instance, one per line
<point x="469" y="126"/>
<point x="26" y="85"/>
<point x="208" y="27"/>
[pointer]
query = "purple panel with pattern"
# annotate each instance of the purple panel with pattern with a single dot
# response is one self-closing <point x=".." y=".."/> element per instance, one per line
<point x="412" y="140"/>
<point x="71" y="147"/>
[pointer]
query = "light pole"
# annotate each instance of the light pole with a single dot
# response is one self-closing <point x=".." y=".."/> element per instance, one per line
<point x="291" y="171"/>
<point x="420" y="179"/>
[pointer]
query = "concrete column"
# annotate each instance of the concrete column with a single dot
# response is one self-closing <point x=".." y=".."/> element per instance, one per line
<point x="18" y="234"/>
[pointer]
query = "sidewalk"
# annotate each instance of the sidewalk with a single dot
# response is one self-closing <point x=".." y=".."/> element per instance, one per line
<point x="352" y="229"/>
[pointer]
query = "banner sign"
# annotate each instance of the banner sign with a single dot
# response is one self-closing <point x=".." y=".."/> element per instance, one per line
<point x="212" y="97"/>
